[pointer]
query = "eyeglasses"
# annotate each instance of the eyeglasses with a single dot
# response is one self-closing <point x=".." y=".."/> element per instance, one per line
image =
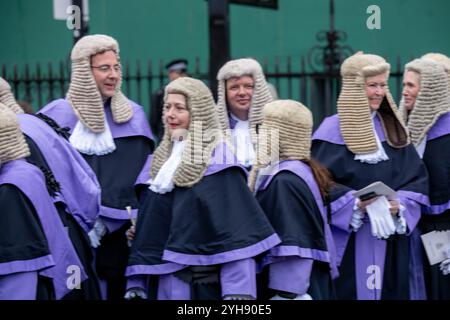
<point x="107" y="68"/>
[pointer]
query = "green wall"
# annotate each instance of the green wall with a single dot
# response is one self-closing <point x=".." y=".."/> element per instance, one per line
<point x="168" y="29"/>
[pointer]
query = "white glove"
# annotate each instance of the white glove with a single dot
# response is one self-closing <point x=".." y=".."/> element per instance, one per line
<point x="400" y="221"/>
<point x="97" y="232"/>
<point x="134" y="293"/>
<point x="445" y="265"/>
<point x="381" y="220"/>
<point x="298" y="297"/>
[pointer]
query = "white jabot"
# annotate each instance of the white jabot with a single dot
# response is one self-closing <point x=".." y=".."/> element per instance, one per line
<point x="163" y="181"/>
<point x="377" y="156"/>
<point x="242" y="141"/>
<point x="90" y="143"/>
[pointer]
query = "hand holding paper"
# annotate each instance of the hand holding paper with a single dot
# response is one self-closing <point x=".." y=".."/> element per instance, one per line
<point x="375" y="189"/>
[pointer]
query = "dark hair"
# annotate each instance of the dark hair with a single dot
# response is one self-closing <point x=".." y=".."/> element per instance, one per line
<point x="322" y="176"/>
<point x="26" y="107"/>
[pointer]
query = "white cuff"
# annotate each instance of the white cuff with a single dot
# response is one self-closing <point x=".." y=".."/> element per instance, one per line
<point x="357" y="217"/>
<point x="134" y="293"/>
<point x="97" y="232"/>
<point x="445" y="267"/>
<point x="400" y="221"/>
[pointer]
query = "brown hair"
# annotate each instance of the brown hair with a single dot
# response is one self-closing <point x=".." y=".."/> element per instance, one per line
<point x="322" y="176"/>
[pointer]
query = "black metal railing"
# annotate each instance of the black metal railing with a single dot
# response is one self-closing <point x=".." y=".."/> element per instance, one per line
<point x="40" y="83"/>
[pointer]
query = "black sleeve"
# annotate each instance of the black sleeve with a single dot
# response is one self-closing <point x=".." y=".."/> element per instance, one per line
<point x="292" y="210"/>
<point x="437" y="160"/>
<point x="21" y="234"/>
<point x="117" y="182"/>
<point x="156" y="113"/>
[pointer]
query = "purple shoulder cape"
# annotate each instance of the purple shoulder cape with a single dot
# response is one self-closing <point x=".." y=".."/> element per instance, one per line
<point x="31" y="182"/>
<point x="304" y="172"/>
<point x="330" y="130"/>
<point x="440" y="128"/>
<point x="75" y="176"/>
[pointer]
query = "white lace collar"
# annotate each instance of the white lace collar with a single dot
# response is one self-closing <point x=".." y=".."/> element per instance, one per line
<point x="163" y="181"/>
<point x="242" y="142"/>
<point x="91" y="143"/>
<point x="377" y="156"/>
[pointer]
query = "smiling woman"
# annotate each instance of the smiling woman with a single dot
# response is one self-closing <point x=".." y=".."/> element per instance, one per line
<point x="375" y="90"/>
<point x="176" y="113"/>
<point x="367" y="142"/>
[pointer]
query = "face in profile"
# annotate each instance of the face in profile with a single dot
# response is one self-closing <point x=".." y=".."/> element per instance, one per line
<point x="376" y="90"/>
<point x="239" y="95"/>
<point x="411" y="88"/>
<point x="176" y="113"/>
<point x="107" y="72"/>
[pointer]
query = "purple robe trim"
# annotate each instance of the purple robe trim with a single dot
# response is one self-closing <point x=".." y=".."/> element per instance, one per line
<point x="164" y="268"/>
<point x="144" y="175"/>
<point x="223" y="257"/>
<point x="117" y="214"/>
<point x="370" y="254"/>
<point x="36" y="264"/>
<point x="440" y="128"/>
<point x="137" y="281"/>
<point x="338" y="209"/>
<point x="413" y="203"/>
<point x="20" y="173"/>
<point x="172" y="288"/>
<point x="239" y="277"/>
<point x="19" y="286"/>
<point x="304" y="172"/>
<point x="438" y="208"/>
<point x="291" y="275"/>
<point x="75" y="176"/>
<point x="62" y="112"/>
<point x="342" y="211"/>
<point x="294" y="251"/>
